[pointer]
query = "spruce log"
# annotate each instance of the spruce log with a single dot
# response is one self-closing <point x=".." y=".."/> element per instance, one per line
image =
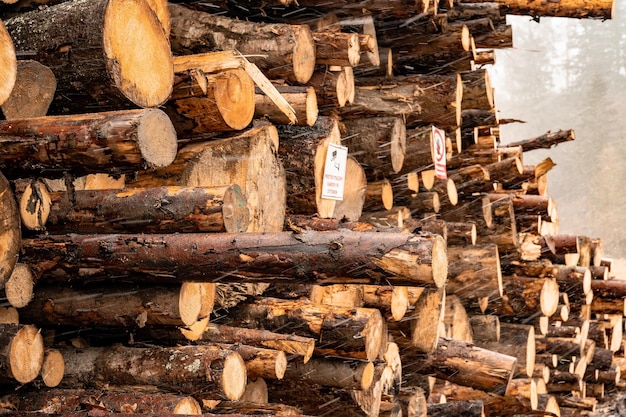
<point x="18" y="289"/>
<point x="52" y="368"/>
<point x="97" y="306"/>
<point x="517" y="340"/>
<point x="477" y="90"/>
<point x="501" y="37"/>
<point x="333" y="372"/>
<point x="456" y="321"/>
<point x="418" y="151"/>
<point x="32" y="93"/>
<point x="8" y="61"/>
<point x="602" y="9"/>
<point x="332" y="88"/>
<point x="111" y="141"/>
<point x="105" y="54"/>
<point x="485" y="328"/>
<point x="526" y="297"/>
<point x="286" y="50"/>
<point x="350" y="207"/>
<point x="337" y="48"/>
<point x="546" y="141"/>
<point x="9" y="315"/>
<point x="204" y="103"/>
<point x="378" y="196"/>
<point x="457" y="408"/>
<point x="10" y="231"/>
<point x="248" y="159"/>
<point x="302" y="99"/>
<point x="377" y="143"/>
<point x="260" y="362"/>
<point x="192" y="369"/>
<point x="149" y="210"/>
<point x="421" y="99"/>
<point x="22" y="353"/>
<point x="392" y="301"/>
<point x="464" y="364"/>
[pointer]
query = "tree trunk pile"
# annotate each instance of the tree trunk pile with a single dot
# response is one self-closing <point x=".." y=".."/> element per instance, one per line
<point x="276" y="240"/>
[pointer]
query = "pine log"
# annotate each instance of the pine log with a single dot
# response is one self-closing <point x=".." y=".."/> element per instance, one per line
<point x="333" y="372"/>
<point x="149" y="210"/>
<point x="97" y="306"/>
<point x="32" y="93"/>
<point x="610" y="289"/>
<point x="9" y="64"/>
<point x="260" y="362"/>
<point x="464" y="364"/>
<point x="18" y="289"/>
<point x="418" y="154"/>
<point x="503" y="230"/>
<point x="204" y="103"/>
<point x="22" y="353"/>
<point x="477" y="90"/>
<point x="466" y="181"/>
<point x="378" y="196"/>
<point x="546" y="141"/>
<point x="332" y="89"/>
<point x="517" y="340"/>
<point x="500" y="37"/>
<point x="97" y="142"/>
<point x="351" y="205"/>
<point x="302" y="99"/>
<point x="9" y="315"/>
<point x="485" y="328"/>
<point x="340" y="295"/>
<point x="524" y="387"/>
<point x="387" y="219"/>
<point x="422" y="99"/>
<point x="574" y="9"/>
<point x="191" y="369"/>
<point x="248" y="159"/>
<point x="287" y="50"/>
<point x="52" y="368"/>
<point x="10" y="231"/>
<point x="468" y="11"/>
<point x="98" y="61"/>
<point x="68" y="400"/>
<point x="474" y="155"/>
<point x="338" y="331"/>
<point x="526" y="297"/>
<point x="474" y="272"/>
<point x="457" y="408"/>
<point x="337" y="48"/>
<point x="378" y="144"/>
<point x="392" y="301"/>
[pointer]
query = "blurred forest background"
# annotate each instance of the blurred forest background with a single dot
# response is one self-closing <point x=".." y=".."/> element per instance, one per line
<point x="571" y="74"/>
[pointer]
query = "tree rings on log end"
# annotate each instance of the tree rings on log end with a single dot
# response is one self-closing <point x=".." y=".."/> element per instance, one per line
<point x="53" y="368"/>
<point x="440" y="262"/>
<point x="26" y="354"/>
<point x="234" y="376"/>
<point x="351" y="206"/>
<point x="139" y="59"/>
<point x="8" y="63"/>
<point x="549" y="297"/>
<point x="187" y="405"/>
<point x="303" y="54"/>
<point x="10" y="231"/>
<point x="35" y="206"/>
<point x="156" y="138"/>
<point x="196" y="301"/>
<point x="235" y="210"/>
<point x="19" y="287"/>
<point x="9" y="315"/>
<point x="234" y="98"/>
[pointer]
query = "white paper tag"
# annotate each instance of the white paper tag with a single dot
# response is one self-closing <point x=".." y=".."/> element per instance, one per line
<point x="335" y="172"/>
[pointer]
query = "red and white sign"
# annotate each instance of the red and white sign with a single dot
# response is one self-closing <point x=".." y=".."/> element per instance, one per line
<point x="438" y="144"/>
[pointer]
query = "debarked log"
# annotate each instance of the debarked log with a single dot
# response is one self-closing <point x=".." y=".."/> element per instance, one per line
<point x="88" y="143"/>
<point x="105" y="54"/>
<point x="149" y="210"/>
<point x="339" y="256"/>
<point x="198" y="369"/>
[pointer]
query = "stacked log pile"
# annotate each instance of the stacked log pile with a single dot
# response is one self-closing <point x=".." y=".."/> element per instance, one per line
<point x="189" y="260"/>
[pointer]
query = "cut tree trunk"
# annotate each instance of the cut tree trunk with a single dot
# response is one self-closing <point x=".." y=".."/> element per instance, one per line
<point x="32" y="93"/>
<point x="192" y="369"/>
<point x="287" y="50"/>
<point x="333" y="372"/>
<point x="378" y="144"/>
<point x="89" y="143"/>
<point x="477" y="90"/>
<point x="18" y="289"/>
<point x="546" y="141"/>
<point x="350" y="207"/>
<point x="337" y="48"/>
<point x="321" y="257"/>
<point x="8" y="61"/>
<point x="96" y="306"/>
<point x="148" y="210"/>
<point x="10" y="231"/>
<point x="420" y="99"/>
<point x="105" y="54"/>
<point x="333" y="89"/>
<point x="53" y="368"/>
<point x="344" y="332"/>
<point x="22" y="353"/>
<point x="205" y="103"/>
<point x="464" y="364"/>
<point x="526" y="297"/>
<point x="517" y="340"/>
<point x="248" y="159"/>
<point x="302" y="99"/>
<point x="457" y="408"/>
<point x="600" y="9"/>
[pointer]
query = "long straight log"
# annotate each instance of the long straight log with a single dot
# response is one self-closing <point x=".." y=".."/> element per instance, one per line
<point x="191" y="369"/>
<point x="346" y="332"/>
<point x="286" y="50"/>
<point x="22" y="353"/>
<point x="111" y="141"/>
<point x="464" y="364"/>
<point x="600" y="9"/>
<point x="149" y="210"/>
<point x="98" y="60"/>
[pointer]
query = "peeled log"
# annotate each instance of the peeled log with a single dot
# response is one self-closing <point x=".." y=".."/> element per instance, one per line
<point x="286" y="50"/>
<point x="464" y="364"/>
<point x="206" y="103"/>
<point x="345" y="332"/>
<point x="112" y="141"/>
<point x="248" y="159"/>
<point x="105" y="53"/>
<point x="193" y="369"/>
<point x="148" y="210"/>
<point x="10" y="231"/>
<point x="341" y="256"/>
<point x="21" y="353"/>
<point x="32" y="93"/>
